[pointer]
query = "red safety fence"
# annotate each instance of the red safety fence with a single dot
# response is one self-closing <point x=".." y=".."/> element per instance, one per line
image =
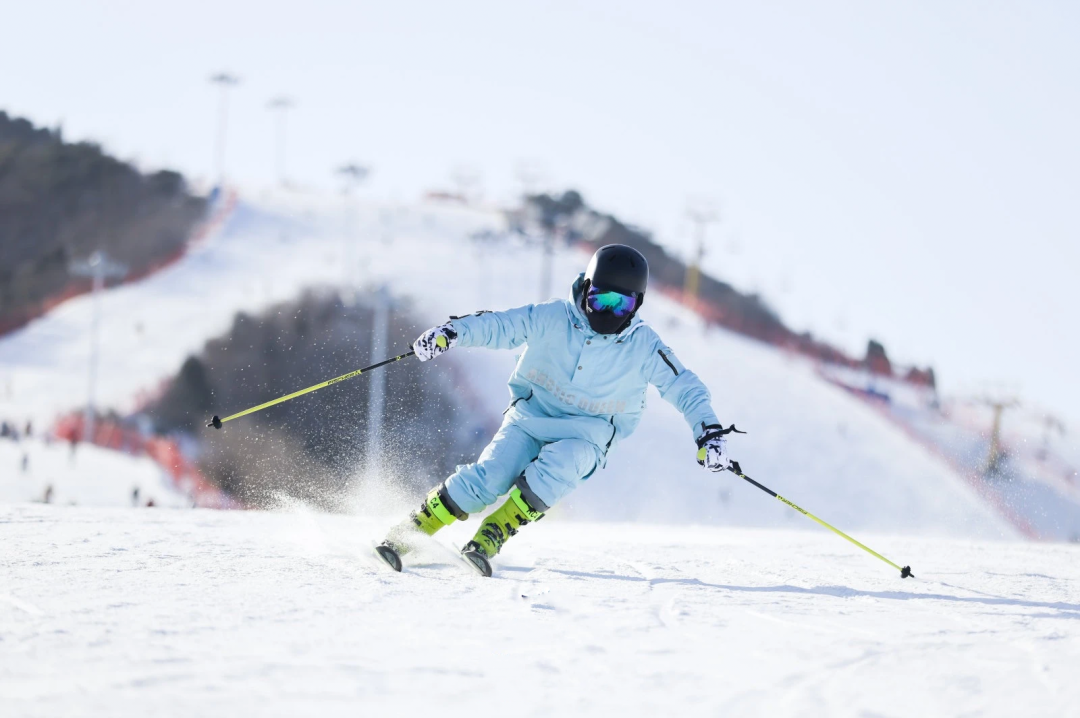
<point x="165" y="452"/>
<point x="721" y="316"/>
<point x="111" y="434"/>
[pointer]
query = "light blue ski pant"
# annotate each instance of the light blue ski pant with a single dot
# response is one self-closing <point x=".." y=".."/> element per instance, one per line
<point x="551" y="469"/>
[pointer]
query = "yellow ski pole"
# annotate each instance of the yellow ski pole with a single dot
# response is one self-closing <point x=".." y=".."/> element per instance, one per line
<point x="217" y="422"/>
<point x="737" y="470"/>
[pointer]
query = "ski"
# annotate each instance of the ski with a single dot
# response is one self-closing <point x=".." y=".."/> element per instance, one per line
<point x="389" y="556"/>
<point x="478" y="562"/>
<point x="475" y="560"/>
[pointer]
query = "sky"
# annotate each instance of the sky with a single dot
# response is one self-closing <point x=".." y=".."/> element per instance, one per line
<point x="902" y="171"/>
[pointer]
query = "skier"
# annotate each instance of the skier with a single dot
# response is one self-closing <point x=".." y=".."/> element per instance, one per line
<point x="578" y="389"/>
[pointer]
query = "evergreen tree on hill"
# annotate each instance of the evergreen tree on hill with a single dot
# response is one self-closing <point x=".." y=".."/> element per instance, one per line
<point x="61" y="201"/>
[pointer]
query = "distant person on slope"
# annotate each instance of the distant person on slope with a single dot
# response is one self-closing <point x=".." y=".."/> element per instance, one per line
<point x="578" y="389"/>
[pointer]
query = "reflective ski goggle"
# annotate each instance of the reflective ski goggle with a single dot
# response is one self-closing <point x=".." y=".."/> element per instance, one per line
<point x="620" y="305"/>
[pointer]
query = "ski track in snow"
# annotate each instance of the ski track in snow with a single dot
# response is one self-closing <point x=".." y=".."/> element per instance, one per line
<point x="170" y="612"/>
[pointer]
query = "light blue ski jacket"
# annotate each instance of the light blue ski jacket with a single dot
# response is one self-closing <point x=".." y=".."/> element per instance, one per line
<point x="571" y="382"/>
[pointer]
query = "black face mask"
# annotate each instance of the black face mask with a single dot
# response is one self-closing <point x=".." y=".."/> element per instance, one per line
<point x="604" y="322"/>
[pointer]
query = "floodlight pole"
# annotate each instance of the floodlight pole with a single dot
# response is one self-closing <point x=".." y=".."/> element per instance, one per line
<point x="380" y="341"/>
<point x="547" y="261"/>
<point x="224" y="81"/>
<point x="529" y="175"/>
<point x="99" y="268"/>
<point x="996" y="453"/>
<point x="701" y="218"/>
<point x="465" y="178"/>
<point x="281" y="106"/>
<point x="354" y="175"/>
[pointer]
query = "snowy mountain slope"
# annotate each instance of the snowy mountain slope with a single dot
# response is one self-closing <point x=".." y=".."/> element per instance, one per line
<point x="1033" y="481"/>
<point x="274" y="614"/>
<point x="87" y="476"/>
<point x="807" y="439"/>
<point x="148" y="327"/>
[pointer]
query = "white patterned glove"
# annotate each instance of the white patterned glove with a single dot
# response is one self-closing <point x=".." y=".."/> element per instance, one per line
<point x="435" y="341"/>
<point x="712" y="448"/>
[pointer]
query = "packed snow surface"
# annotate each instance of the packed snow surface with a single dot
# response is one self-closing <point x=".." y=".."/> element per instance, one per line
<point x="33" y="469"/>
<point x="137" y="612"/>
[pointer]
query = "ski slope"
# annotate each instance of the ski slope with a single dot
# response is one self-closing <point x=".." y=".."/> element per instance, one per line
<point x="111" y="612"/>
<point x="807" y="439"/>
<point x="1033" y="481"/>
<point x="83" y="475"/>
<point x="655" y="589"/>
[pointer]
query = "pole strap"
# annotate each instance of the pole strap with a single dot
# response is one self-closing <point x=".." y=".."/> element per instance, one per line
<point x="217" y="422"/>
<point x="905" y="571"/>
<point x="711" y="431"/>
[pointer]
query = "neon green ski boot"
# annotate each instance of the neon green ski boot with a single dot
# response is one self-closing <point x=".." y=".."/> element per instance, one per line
<point x="437" y="511"/>
<point x="497" y="528"/>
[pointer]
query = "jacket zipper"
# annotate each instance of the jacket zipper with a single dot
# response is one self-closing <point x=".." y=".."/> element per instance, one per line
<point x="515" y="401"/>
<point x="667" y="361"/>
<point x="614" y="431"/>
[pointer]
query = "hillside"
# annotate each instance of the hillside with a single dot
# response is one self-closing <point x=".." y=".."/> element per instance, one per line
<point x="569" y="217"/>
<point x="62" y="201"/>
<point x="808" y="440"/>
<point x="306" y="450"/>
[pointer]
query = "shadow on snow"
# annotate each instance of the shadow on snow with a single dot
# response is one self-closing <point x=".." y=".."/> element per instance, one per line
<point x="1072" y="609"/>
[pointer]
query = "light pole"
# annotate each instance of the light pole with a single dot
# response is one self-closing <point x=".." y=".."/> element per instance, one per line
<point x="529" y="174"/>
<point x="99" y="268"/>
<point x="224" y="81"/>
<point x="547" y="259"/>
<point x="466" y="178"/>
<point x="353" y="175"/>
<point x="281" y="105"/>
<point x="702" y="217"/>
<point x="996" y="453"/>
<point x="555" y="235"/>
<point x="380" y="343"/>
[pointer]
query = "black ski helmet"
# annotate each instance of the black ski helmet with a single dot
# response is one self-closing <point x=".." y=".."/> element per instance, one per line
<point x="615" y="268"/>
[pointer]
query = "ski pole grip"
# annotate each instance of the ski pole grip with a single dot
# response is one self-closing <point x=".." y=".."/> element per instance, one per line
<point x="215" y="422"/>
